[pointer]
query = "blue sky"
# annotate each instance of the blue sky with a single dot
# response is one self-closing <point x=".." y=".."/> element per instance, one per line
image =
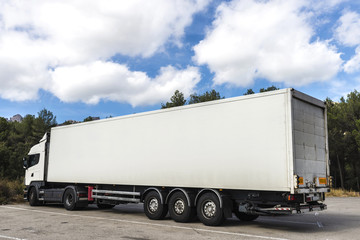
<point x="111" y="58"/>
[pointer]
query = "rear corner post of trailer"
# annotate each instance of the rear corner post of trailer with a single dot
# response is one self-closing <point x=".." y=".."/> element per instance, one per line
<point x="262" y="154"/>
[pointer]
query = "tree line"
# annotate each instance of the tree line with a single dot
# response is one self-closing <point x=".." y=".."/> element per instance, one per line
<point x="344" y="140"/>
<point x="178" y="98"/>
<point x="16" y="138"/>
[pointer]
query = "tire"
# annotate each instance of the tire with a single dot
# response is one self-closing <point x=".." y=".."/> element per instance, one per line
<point x="69" y="200"/>
<point x="33" y="198"/>
<point x="153" y="208"/>
<point x="209" y="211"/>
<point x="179" y="209"/>
<point x="245" y="217"/>
<point x="105" y="206"/>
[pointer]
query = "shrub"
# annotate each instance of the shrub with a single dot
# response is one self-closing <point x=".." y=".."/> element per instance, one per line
<point x="338" y="192"/>
<point x="11" y="191"/>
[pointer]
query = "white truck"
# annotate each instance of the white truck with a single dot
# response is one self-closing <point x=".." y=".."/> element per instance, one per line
<point x="260" y="154"/>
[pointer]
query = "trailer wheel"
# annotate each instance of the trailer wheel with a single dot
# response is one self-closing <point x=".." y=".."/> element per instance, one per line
<point x="245" y="217"/>
<point x="209" y="211"/>
<point x="179" y="209"/>
<point x="69" y="200"/>
<point x="33" y="199"/>
<point x="153" y="207"/>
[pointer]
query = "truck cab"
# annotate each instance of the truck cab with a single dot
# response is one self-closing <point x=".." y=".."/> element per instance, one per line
<point x="34" y="163"/>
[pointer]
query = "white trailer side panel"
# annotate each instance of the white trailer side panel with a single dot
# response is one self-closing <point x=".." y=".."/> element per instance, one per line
<point x="238" y="143"/>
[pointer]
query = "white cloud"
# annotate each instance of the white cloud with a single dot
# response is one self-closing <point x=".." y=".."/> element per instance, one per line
<point x="36" y="35"/>
<point x="348" y="34"/>
<point x="348" y="31"/>
<point x="99" y="80"/>
<point x="341" y="87"/>
<point x="266" y="39"/>
<point x="323" y="6"/>
<point x="353" y="65"/>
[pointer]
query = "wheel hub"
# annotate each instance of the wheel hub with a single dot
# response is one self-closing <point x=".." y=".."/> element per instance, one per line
<point x="179" y="207"/>
<point x="69" y="200"/>
<point x="153" y="205"/>
<point x="209" y="209"/>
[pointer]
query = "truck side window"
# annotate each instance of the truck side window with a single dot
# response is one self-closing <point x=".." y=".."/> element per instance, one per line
<point x="34" y="159"/>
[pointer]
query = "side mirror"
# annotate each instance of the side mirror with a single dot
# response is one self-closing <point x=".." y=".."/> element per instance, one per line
<point x="25" y="163"/>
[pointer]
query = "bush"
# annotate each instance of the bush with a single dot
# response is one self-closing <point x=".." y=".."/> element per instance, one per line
<point x="338" y="192"/>
<point x="11" y="191"/>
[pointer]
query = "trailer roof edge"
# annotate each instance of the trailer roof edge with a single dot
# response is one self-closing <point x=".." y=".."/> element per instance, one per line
<point x="306" y="98"/>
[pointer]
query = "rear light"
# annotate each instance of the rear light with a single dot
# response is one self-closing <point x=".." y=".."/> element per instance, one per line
<point x="298" y="181"/>
<point x="291" y="197"/>
<point x="90" y="198"/>
<point x="298" y="198"/>
<point x="330" y="181"/>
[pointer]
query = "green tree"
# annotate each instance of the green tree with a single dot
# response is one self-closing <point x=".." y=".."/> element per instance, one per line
<point x="268" y="89"/>
<point x="176" y="100"/>
<point x="48" y="118"/>
<point x="44" y="122"/>
<point x="5" y="128"/>
<point x="249" y="91"/>
<point x="22" y="137"/>
<point x="207" y="96"/>
<point x="4" y="159"/>
<point x="88" y="119"/>
<point x="67" y="122"/>
<point x="351" y="127"/>
<point x="16" y="139"/>
<point x="344" y="140"/>
<point x="336" y="142"/>
<point x="272" y="88"/>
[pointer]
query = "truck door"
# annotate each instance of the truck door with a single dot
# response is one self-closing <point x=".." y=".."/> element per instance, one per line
<point x="311" y="157"/>
<point x="35" y="164"/>
<point x="33" y="170"/>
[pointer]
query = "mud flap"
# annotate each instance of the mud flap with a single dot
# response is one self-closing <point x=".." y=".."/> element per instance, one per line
<point x="227" y="207"/>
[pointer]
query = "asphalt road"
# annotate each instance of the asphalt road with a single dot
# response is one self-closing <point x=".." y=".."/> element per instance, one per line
<point x="340" y="221"/>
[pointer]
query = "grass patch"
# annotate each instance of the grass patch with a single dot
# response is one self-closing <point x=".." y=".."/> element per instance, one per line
<point x="342" y="193"/>
<point x="11" y="191"/>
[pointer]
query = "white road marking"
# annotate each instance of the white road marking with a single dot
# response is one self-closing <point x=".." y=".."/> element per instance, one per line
<point x="13" y="238"/>
<point x="150" y="224"/>
<point x="319" y="224"/>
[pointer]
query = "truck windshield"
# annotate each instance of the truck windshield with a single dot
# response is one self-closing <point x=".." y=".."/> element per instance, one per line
<point x="33" y="160"/>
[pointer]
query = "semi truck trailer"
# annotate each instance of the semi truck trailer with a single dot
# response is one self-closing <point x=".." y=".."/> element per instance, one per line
<point x="261" y="154"/>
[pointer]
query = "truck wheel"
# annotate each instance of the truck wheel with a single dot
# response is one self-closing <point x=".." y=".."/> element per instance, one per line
<point x="244" y="216"/>
<point x="105" y="206"/>
<point x="153" y="207"/>
<point x="209" y="211"/>
<point x="33" y="199"/>
<point x="70" y="200"/>
<point x="178" y="208"/>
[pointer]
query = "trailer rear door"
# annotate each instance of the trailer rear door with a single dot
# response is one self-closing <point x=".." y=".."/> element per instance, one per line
<point x="310" y="141"/>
